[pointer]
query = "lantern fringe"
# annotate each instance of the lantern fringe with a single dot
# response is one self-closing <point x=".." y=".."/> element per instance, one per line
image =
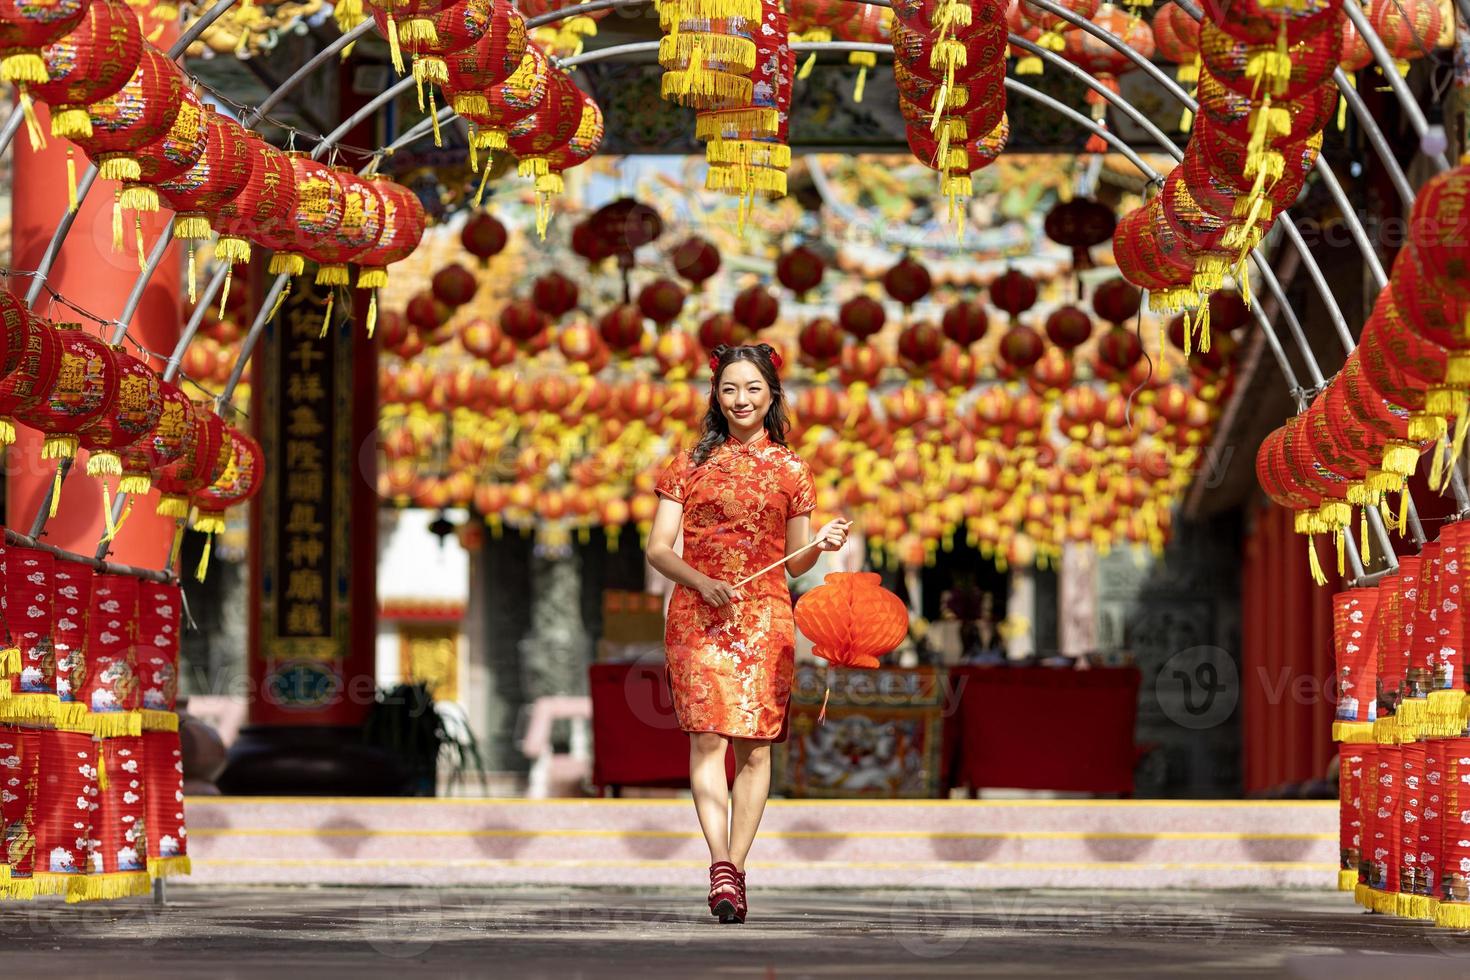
<point x="120" y="169"/>
<point x="729" y="153"/>
<point x="1411" y="714"/>
<point x="1452" y="915"/>
<point x="1030" y="65"/>
<point x="53" y="882"/>
<point x="1316" y="566"/>
<point x="71" y="124"/>
<point x="952" y="14"/>
<point x="489" y="139"/>
<point x="133" y="483"/>
<point x="348" y="14"/>
<point x="533" y="167"/>
<point x="27" y="708"/>
<point x="729" y="124"/>
<point x="1445" y="719"/>
<point x="1422" y="428"/>
<point x="947" y="55"/>
<point x="336" y="274"/>
<point x="73" y="716"/>
<point x="287" y="263"/>
<point x="23" y="66"/>
<point x="99" y="888"/>
<point x="173" y="505"/>
<point x="418" y="30"/>
<point x="193" y="227"/>
<point x="762" y="180"/>
<point x="60" y="446"/>
<point x="154" y="720"/>
<point x="1209" y="274"/>
<point x="1386" y="730"/>
<point x="433" y="69"/>
<point x="138" y="198"/>
<point x="1347" y="879"/>
<point x="231" y="248"/>
<point x="202" y="569"/>
<point x="1362" y="895"/>
<point x="9" y="662"/>
<point x="18" y="889"/>
<point x="670" y="14"/>
<point x="170" y="867"/>
<point x="716" y="88"/>
<point x="327" y="314"/>
<point x="691" y="53"/>
<point x="104" y="463"/>
<point x="114" y="724"/>
<point x="1353" y="733"/>
<point x="1408" y="906"/>
<point x="1401" y="458"/>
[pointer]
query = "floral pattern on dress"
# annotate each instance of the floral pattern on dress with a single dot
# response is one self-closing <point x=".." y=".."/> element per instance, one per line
<point x="731" y="669"/>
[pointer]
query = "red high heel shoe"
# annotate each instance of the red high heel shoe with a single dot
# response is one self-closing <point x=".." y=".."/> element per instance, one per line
<point x="740" y="907"/>
<point x="724" y="892"/>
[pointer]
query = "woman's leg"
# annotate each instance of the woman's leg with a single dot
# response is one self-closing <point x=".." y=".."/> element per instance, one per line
<point x="752" y="786"/>
<point x="711" y="791"/>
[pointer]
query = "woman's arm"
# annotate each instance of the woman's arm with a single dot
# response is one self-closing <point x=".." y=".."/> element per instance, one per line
<point x="661" y="555"/>
<point x="798" y="535"/>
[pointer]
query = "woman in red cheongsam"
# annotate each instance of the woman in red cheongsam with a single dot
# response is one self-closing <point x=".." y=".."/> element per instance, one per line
<point x="743" y="500"/>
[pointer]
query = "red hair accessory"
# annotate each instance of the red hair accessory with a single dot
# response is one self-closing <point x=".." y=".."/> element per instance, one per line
<point x="775" y="359"/>
<point x="714" y="363"/>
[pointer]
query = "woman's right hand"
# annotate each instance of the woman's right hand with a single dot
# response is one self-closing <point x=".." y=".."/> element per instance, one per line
<point x="717" y="593"/>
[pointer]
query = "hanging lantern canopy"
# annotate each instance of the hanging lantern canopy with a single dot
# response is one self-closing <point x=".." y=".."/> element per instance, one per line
<point x="483" y="236"/>
<point x="402" y="229"/>
<point x="707" y="61"/>
<point x="320" y="200"/>
<point x="356" y="233"/>
<point x="1014" y="292"/>
<point x="89" y="64"/>
<point x="965" y="322"/>
<point x="1021" y="347"/>
<point x="661" y="301"/>
<point x="755" y="308"/>
<point x="135" y="413"/>
<point x="533" y="138"/>
<point x="1080" y="224"/>
<point x="800" y="270"/>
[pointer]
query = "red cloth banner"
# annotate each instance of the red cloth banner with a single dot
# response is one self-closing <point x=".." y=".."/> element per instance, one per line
<point x="73" y="598"/>
<point x="110" y="689"/>
<point x="168" y="837"/>
<point x="159" y="607"/>
<point x="28" y="618"/>
<point x="67" y="791"/>
<point x="20" y="762"/>
<point x="1352" y="763"/>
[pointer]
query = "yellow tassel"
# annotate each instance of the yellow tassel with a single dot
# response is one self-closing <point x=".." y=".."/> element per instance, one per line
<point x="71" y="181"/>
<point x="1457" y="445"/>
<point x="18" y="889"/>
<point x="1341" y="552"/>
<point x="117" y="227"/>
<point x="434" y="118"/>
<point x="807" y="66"/>
<point x="395" y="52"/>
<point x="121" y="169"/>
<point x="372" y="314"/>
<point x="1436" y="465"/>
<point x="1452" y="915"/>
<point x="1029" y="65"/>
<point x="1403" y="510"/>
<point x="138" y="241"/>
<point x="55" y="491"/>
<point x="110" y="887"/>
<point x="1353" y="732"/>
<point x="1316" y="566"/>
<point x="1347" y="880"/>
<point x="484" y="179"/>
<point x="203" y="568"/>
<point x="33" y="125"/>
<point x="173" y="553"/>
<point x="224" y="294"/>
<point x="280" y="301"/>
<point x="862" y="82"/>
<point x="112" y="724"/>
<point x="155" y="720"/>
<point x="327" y="318"/>
<point x="170" y="867"/>
<point x="9" y="661"/>
<point x="1363" y="533"/>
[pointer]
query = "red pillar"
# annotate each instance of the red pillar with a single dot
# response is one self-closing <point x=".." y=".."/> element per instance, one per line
<point x="91" y="275"/>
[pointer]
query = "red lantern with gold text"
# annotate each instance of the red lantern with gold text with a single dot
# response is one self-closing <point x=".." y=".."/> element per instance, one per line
<point x="171" y="436"/>
<point x="203" y="461"/>
<point x="264" y="209"/>
<point x="401" y="231"/>
<point x="134" y="415"/>
<point x="493" y="110"/>
<point x="534" y="138"/>
<point x="239" y="481"/>
<point x="316" y="215"/>
<point x="88" y="65"/>
<point x="84" y="391"/>
<point x="164" y="159"/>
<point x="135" y="116"/>
<point x="1407" y="27"/>
<point x="219" y="176"/>
<point x="355" y="234"/>
<point x="852" y="621"/>
<point x="32" y="362"/>
<point x="582" y="146"/>
<point x="26" y="28"/>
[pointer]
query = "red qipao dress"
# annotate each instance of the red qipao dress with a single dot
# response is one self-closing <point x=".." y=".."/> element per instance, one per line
<point x="731" y="668"/>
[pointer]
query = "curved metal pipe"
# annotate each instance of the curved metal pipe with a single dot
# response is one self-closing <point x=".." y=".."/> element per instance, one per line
<point x="1389" y="67"/>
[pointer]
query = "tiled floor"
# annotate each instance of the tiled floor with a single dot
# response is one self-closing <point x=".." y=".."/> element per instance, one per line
<point x="657" y="934"/>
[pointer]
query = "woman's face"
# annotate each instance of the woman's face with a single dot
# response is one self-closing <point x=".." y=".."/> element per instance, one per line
<point x="744" y="397"/>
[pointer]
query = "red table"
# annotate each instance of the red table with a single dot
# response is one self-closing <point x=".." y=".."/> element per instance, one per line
<point x="1005" y="727"/>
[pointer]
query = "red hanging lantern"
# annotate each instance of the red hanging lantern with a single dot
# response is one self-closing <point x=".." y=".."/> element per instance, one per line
<point x="219" y="176"/>
<point x="1176" y="38"/>
<point x="1069" y="327"/>
<point x="426" y="313"/>
<point x="442" y="30"/>
<point x="908" y="281"/>
<point x="89" y="64"/>
<point x="521" y="321"/>
<point x="533" y="139"/>
<point x="134" y="415"/>
<point x="661" y="301"/>
<point x="861" y="316"/>
<point x="26" y="28"/>
<point x="33" y="359"/>
<point x="720" y="328"/>
<point x="1116" y="300"/>
<point x="264" y="208"/>
<point x="454" y="285"/>
<point x="1080" y="224"/>
<point x="952" y="59"/>
<point x="1407" y="27"/>
<point x="1120" y="349"/>
<point x="483" y="236"/>
<point x="919" y="344"/>
<point x="240" y="480"/>
<point x="203" y="461"/>
<point x="554" y="294"/>
<point x="677" y="354"/>
<point x="171" y="156"/>
<point x="170" y="438"/>
<point x="402" y="230"/>
<point x="755" y="308"/>
<point x="356" y="234"/>
<point x="965" y="322"/>
<point x="499" y="52"/>
<point x="622" y="328"/>
<point x="695" y="260"/>
<point x="821" y="342"/>
<point x="800" y="270"/>
<point x="583" y="146"/>
<point x="493" y="110"/>
<point x="84" y="390"/>
<point x="708" y="61"/>
<point x="1021" y="347"/>
<point x="1013" y="292"/>
<point x="137" y="115"/>
<point x="316" y="215"/>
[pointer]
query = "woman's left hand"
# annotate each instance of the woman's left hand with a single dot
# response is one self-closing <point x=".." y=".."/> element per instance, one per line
<point x="833" y="535"/>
